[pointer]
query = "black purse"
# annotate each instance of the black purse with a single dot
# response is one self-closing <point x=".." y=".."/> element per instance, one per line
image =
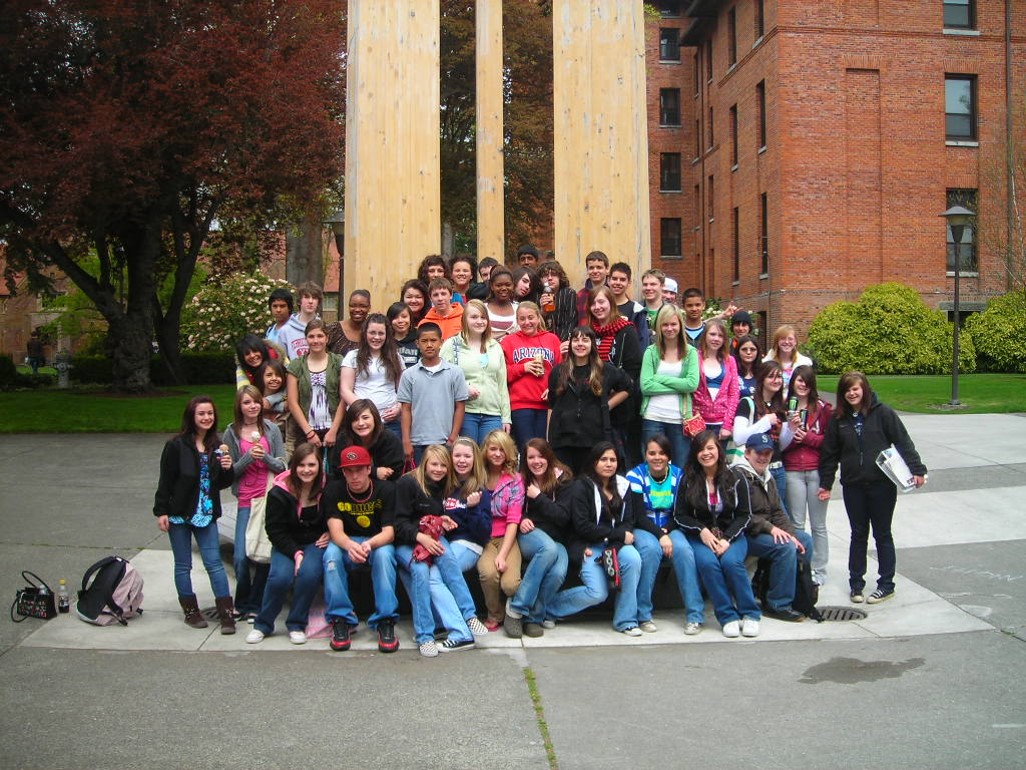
<point x="35" y="600"/>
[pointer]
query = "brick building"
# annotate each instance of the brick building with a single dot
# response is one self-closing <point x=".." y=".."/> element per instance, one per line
<point x="802" y="151"/>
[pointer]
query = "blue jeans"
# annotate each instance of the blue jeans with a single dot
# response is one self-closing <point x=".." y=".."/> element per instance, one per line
<point x="420" y="594"/>
<point x="547" y="563"/>
<point x="250" y="577"/>
<point x="680" y="446"/>
<point x="871" y="505"/>
<point x="528" y="424"/>
<point x="338" y="565"/>
<point x="595" y="588"/>
<point x="683" y="561"/>
<point x="280" y="579"/>
<point x="780" y="479"/>
<point x="477" y="426"/>
<point x="181" y="536"/>
<point x="396" y="427"/>
<point x="441" y="596"/>
<point x="726" y="580"/>
<point x="783" y="565"/>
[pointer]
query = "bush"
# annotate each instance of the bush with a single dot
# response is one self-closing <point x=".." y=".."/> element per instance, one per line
<point x="997" y="333"/>
<point x="197" y="368"/>
<point x="223" y="311"/>
<point x="94" y="370"/>
<point x="34" y="381"/>
<point x="890" y="330"/>
<point x="8" y="371"/>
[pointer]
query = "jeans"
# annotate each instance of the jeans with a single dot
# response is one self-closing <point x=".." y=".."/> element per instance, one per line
<point x="596" y="588"/>
<point x="477" y="426"/>
<point x="680" y="445"/>
<point x="726" y="580"/>
<point x="871" y="505"/>
<point x="528" y="424"/>
<point x="396" y="427"/>
<point x="338" y="565"/>
<point x="250" y="577"/>
<point x="802" y="487"/>
<point x="281" y="577"/>
<point x="780" y="479"/>
<point x="783" y="565"/>
<point x="181" y="536"/>
<point x="454" y="594"/>
<point x="441" y="596"/>
<point x="686" y="572"/>
<point x="546" y="570"/>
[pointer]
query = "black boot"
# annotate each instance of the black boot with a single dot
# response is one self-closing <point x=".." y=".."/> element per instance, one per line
<point x="193" y="617"/>
<point x="226" y="614"/>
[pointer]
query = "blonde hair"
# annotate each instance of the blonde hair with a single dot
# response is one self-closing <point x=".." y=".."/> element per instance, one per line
<point x="664" y="315"/>
<point x="774" y="351"/>
<point x="533" y="307"/>
<point x="254" y="393"/>
<point x="475" y="480"/>
<point x="502" y="440"/>
<point x="440" y="453"/>
<point x="486" y="335"/>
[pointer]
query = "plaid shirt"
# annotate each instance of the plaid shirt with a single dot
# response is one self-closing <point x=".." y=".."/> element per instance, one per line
<point x="507" y="503"/>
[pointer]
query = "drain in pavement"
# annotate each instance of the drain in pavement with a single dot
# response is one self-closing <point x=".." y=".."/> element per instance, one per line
<point x="841" y="613"/>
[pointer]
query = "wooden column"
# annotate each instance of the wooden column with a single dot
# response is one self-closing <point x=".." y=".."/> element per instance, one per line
<point x="490" y="194"/>
<point x="601" y="144"/>
<point x="393" y="182"/>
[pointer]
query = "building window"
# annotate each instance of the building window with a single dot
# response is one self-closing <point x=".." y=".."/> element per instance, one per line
<point x="764" y="234"/>
<point x="733" y="136"/>
<point x="669" y="106"/>
<point x="708" y="60"/>
<point x="732" y="37"/>
<point x="760" y="19"/>
<point x="710" y="189"/>
<point x="668" y="8"/>
<point x="698" y="208"/>
<point x="959" y="14"/>
<point x="669" y="237"/>
<point x="669" y="172"/>
<point x="669" y="44"/>
<point x="712" y="138"/>
<point x="760" y="103"/>
<point x="698" y="138"/>
<point x="697" y="74"/>
<point x="960" y="107"/>
<point x="967" y="251"/>
<point x="736" y="227"/>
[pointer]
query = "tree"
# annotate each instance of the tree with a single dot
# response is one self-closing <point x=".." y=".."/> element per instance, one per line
<point x="127" y="126"/>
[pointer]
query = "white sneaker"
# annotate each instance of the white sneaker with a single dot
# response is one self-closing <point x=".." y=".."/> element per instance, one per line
<point x="297" y="637"/>
<point x="632" y="631"/>
<point x="749" y="627"/>
<point x="548" y="624"/>
<point x="648" y="627"/>
<point x="691" y="629"/>
<point x="732" y="630"/>
<point x="429" y="649"/>
<point x="254" y="637"/>
<point x="477" y="628"/>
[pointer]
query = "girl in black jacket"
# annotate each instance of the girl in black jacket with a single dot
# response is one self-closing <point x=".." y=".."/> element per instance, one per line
<point x="194" y="468"/>
<point x="860" y="429"/>
<point x="362" y="426"/>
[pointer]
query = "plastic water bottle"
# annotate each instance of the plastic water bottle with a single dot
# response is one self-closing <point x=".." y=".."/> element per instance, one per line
<point x="63" y="599"/>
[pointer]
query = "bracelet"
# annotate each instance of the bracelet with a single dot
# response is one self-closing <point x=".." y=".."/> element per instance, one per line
<point x="310" y="433"/>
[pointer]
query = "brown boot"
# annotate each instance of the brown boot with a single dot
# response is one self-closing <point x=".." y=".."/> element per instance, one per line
<point x="225" y="613"/>
<point x="193" y="616"/>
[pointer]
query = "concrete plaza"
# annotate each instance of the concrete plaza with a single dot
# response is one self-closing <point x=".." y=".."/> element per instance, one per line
<point x="935" y="677"/>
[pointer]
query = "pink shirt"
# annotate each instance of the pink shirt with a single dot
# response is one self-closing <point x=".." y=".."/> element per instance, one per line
<point x="254" y="479"/>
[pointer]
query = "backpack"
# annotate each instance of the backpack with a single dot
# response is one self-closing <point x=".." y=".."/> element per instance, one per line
<point x="111" y="593"/>
<point x="805" y="592"/>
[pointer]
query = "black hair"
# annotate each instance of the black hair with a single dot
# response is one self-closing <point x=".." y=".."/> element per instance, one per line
<point x="283" y="294"/>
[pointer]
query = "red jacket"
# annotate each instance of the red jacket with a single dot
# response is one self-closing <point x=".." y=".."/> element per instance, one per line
<point x="723" y="408"/>
<point x="525" y="390"/>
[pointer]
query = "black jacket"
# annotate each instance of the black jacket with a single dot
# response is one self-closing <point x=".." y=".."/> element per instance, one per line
<point x="692" y="513"/>
<point x="577" y="414"/>
<point x="857" y="454"/>
<point x="626" y="355"/>
<point x="551" y="514"/>
<point x="178" y="487"/>
<point x="589" y="530"/>
<point x="412" y="504"/>
<point x="386" y="452"/>
<point x="289" y="528"/>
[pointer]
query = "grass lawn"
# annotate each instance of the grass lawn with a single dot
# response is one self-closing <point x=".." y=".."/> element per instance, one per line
<point x="978" y="393"/>
<point x="94" y="411"/>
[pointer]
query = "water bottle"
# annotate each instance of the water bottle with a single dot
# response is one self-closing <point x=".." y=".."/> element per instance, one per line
<point x="63" y="599"/>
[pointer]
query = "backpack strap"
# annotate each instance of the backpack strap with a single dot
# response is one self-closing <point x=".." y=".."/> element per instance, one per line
<point x="96" y="568"/>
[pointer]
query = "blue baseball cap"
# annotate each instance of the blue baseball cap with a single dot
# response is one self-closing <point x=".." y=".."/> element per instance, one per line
<point x="760" y="442"/>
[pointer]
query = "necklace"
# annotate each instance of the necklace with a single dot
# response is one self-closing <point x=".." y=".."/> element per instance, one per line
<point x="352" y="494"/>
<point x="659" y="481"/>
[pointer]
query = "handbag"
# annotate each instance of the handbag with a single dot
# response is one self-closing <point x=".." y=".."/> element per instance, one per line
<point x="611" y="564"/>
<point x="35" y="600"/>
<point x="258" y="544"/>
<point x="693" y="425"/>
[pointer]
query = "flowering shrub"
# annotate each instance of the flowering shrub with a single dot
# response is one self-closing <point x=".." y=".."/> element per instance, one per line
<point x="224" y="310"/>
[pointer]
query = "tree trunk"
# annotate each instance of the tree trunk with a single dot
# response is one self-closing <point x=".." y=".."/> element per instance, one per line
<point x="128" y="345"/>
<point x="304" y="252"/>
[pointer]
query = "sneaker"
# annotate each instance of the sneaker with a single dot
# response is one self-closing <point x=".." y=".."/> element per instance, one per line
<point x="648" y="627"/>
<point x="749" y="628"/>
<point x="692" y="629"/>
<point x="251" y="617"/>
<point x="879" y="596"/>
<point x="254" y="637"/>
<point x="450" y="645"/>
<point x="787" y="614"/>
<point x="387" y="641"/>
<point x="340" y="640"/>
<point x="514" y="626"/>
<point x="297" y="637"/>
<point x="632" y="631"/>
<point x="732" y="629"/>
<point x="477" y="628"/>
<point x="429" y="649"/>
<point x="548" y="624"/>
<point x="857" y="597"/>
<point x="533" y="630"/>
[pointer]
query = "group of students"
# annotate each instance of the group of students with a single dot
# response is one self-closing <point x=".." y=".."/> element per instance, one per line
<point x="428" y="442"/>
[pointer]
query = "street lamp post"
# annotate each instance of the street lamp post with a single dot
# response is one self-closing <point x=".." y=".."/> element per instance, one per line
<point x="337" y="222"/>
<point x="958" y="219"/>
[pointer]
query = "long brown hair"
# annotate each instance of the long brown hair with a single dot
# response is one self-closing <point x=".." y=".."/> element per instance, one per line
<point x="354" y="410"/>
<point x="549" y="482"/>
<point x="299" y="454"/>
<point x="389" y="353"/>
<point x="847" y="380"/>
<point x="721" y="354"/>
<point x="254" y="393"/>
<point x="776" y="404"/>
<point x="475" y="480"/>
<point x="566" y="366"/>
<point x="211" y="440"/>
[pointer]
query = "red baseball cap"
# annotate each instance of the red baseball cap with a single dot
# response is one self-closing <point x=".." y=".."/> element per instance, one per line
<point x="354" y="457"/>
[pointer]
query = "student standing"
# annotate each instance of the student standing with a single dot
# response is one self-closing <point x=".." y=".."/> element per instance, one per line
<point x="373" y="370"/>
<point x="445" y="313"/>
<point x="292" y="337"/>
<point x="313" y="390"/>
<point x="531" y="353"/>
